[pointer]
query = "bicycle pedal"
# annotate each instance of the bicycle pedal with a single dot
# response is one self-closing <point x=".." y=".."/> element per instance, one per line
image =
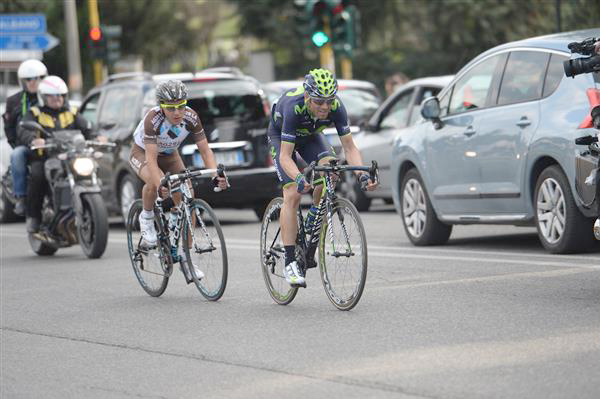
<point x="298" y="285"/>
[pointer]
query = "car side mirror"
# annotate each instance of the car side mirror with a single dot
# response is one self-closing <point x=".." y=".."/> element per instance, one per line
<point x="430" y="110"/>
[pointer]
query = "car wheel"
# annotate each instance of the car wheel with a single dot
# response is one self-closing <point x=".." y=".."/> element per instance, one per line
<point x="130" y="189"/>
<point x="6" y="208"/>
<point x="349" y="188"/>
<point x="561" y="227"/>
<point x="418" y="217"/>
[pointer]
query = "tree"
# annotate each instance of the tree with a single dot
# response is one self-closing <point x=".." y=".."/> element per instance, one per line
<point x="416" y="37"/>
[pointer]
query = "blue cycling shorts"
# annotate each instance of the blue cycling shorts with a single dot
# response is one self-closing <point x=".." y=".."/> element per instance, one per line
<point x="307" y="149"/>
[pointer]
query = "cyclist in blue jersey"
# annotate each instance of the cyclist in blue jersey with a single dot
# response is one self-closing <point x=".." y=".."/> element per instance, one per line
<point x="297" y="122"/>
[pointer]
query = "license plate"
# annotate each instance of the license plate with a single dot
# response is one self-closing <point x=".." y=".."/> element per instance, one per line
<point x="227" y="158"/>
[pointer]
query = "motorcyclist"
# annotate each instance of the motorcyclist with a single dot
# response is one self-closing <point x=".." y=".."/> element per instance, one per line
<point x="53" y="113"/>
<point x="30" y="73"/>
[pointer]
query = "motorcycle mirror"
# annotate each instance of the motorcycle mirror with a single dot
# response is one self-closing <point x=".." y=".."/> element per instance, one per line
<point x="32" y="125"/>
<point x="79" y="141"/>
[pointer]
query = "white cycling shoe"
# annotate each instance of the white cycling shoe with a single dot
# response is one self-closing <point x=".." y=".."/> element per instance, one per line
<point x="293" y="275"/>
<point x="197" y="272"/>
<point x="148" y="231"/>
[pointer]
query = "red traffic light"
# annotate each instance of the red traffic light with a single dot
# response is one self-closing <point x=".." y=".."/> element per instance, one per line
<point x="95" y="34"/>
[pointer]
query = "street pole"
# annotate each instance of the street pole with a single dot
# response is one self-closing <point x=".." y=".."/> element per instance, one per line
<point x="95" y="23"/>
<point x="73" y="56"/>
<point x="346" y="65"/>
<point x="326" y="53"/>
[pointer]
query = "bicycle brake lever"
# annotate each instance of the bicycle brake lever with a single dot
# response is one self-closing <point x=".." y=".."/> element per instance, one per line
<point x="221" y="173"/>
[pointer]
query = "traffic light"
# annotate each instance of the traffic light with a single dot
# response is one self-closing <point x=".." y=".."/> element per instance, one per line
<point x="321" y="15"/>
<point x="344" y="29"/>
<point x="112" y="42"/>
<point x="97" y="43"/>
<point x="313" y="18"/>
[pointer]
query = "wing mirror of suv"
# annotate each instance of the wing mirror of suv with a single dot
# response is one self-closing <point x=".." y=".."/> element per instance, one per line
<point x="430" y="110"/>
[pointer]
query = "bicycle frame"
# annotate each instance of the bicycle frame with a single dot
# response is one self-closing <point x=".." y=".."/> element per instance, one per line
<point x="183" y="210"/>
<point x="324" y="210"/>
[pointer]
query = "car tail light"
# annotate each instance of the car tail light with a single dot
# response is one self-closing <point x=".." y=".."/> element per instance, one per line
<point x="594" y="97"/>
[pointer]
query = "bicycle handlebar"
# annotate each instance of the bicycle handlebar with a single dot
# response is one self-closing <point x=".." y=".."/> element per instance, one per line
<point x="333" y="167"/>
<point x="188" y="174"/>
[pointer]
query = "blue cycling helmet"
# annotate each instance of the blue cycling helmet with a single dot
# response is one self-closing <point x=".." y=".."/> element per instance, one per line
<point x="320" y="83"/>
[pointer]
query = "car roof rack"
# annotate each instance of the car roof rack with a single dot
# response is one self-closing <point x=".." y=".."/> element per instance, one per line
<point x="127" y="76"/>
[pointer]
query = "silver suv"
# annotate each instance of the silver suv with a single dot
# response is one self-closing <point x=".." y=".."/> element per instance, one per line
<point x="498" y="147"/>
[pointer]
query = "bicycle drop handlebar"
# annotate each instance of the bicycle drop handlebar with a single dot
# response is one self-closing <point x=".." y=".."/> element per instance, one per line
<point x="187" y="174"/>
<point x="333" y="167"/>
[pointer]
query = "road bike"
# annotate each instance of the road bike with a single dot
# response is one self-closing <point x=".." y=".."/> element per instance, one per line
<point x="203" y="243"/>
<point x="337" y="231"/>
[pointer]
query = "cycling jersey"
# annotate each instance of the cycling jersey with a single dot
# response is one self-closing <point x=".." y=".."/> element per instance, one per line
<point x="155" y="128"/>
<point x="290" y="118"/>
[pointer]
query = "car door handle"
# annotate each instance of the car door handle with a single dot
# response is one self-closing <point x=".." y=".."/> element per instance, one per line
<point x="524" y="122"/>
<point x="469" y="132"/>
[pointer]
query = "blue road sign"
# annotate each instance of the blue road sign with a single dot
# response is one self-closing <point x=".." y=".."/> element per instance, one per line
<point x="22" y="23"/>
<point x="43" y="41"/>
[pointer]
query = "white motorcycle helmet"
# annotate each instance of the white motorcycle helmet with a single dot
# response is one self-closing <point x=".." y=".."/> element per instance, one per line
<point x="31" y="69"/>
<point x="51" y="85"/>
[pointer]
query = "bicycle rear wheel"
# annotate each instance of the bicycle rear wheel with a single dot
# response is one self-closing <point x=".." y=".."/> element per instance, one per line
<point x="343" y="256"/>
<point x="152" y="267"/>
<point x="272" y="255"/>
<point x="206" y="249"/>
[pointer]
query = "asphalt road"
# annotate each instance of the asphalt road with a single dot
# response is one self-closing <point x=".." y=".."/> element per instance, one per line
<point x="490" y="315"/>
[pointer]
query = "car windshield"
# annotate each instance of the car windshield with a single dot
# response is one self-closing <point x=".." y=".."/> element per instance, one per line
<point x="359" y="104"/>
<point x="226" y="107"/>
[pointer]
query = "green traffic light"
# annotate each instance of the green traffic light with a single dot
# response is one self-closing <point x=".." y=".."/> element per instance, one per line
<point x="319" y="38"/>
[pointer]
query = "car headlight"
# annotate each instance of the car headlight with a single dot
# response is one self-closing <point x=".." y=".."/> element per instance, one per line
<point x="84" y="166"/>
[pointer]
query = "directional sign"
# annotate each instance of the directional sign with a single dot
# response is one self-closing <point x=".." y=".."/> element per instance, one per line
<point x="22" y="23"/>
<point x="42" y="41"/>
<point x="20" y="32"/>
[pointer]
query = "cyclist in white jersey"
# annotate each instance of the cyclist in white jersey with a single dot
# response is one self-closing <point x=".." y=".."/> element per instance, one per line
<point x="157" y="138"/>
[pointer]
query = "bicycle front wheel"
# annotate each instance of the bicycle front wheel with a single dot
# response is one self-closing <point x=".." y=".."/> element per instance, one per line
<point x="272" y="255"/>
<point x="151" y="266"/>
<point x="204" y="247"/>
<point x="343" y="255"/>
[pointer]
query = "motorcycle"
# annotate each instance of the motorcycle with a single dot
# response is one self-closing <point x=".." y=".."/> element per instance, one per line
<point x="588" y="177"/>
<point x="73" y="211"/>
<point x="7" y="199"/>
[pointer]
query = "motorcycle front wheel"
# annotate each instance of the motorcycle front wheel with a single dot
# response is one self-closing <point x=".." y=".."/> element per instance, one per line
<point x="92" y="228"/>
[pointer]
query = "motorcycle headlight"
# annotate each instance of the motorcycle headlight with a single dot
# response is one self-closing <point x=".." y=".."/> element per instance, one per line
<point x="83" y="166"/>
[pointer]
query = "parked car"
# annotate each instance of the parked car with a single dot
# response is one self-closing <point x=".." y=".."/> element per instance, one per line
<point x="361" y="98"/>
<point x="374" y="140"/>
<point x="499" y="147"/>
<point x="234" y="113"/>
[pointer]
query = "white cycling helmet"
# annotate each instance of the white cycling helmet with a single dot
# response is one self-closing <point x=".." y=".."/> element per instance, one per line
<point x="51" y="85"/>
<point x="31" y="69"/>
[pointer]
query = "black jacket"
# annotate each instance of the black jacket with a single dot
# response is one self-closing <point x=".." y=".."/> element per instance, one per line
<point x="52" y="120"/>
<point x="15" y="105"/>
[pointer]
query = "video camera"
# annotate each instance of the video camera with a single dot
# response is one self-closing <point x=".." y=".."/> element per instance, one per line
<point x="583" y="64"/>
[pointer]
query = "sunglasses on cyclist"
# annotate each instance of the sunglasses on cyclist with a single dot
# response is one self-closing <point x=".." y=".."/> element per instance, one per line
<point x="32" y="79"/>
<point x="174" y="107"/>
<point x="321" y="101"/>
